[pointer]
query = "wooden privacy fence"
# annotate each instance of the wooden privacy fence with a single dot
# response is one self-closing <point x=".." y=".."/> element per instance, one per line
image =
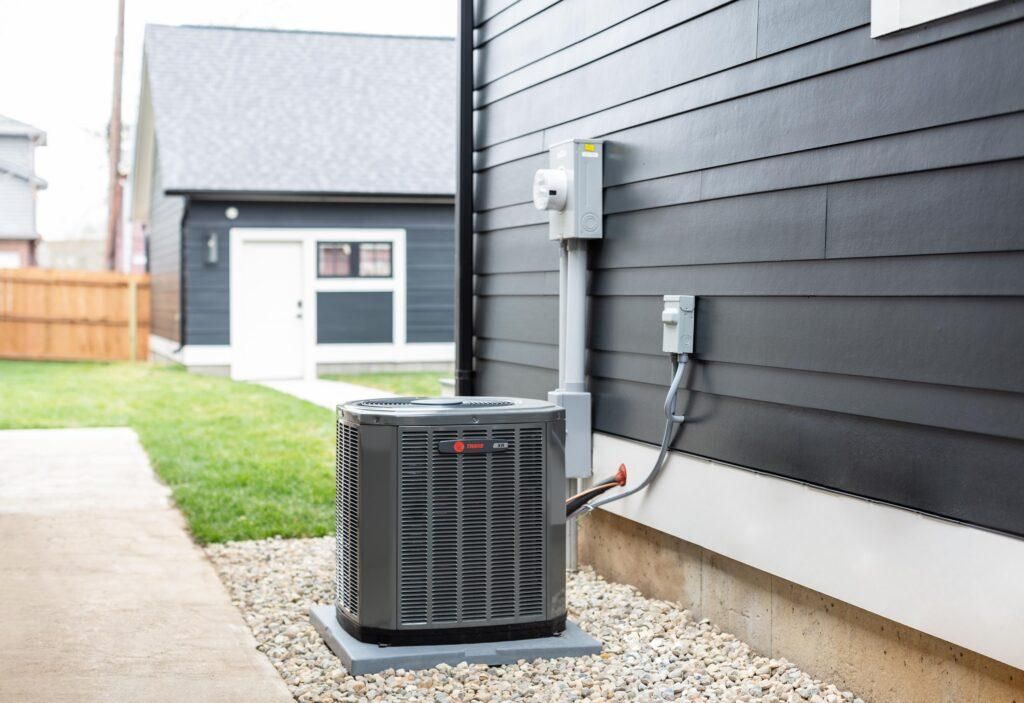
<point x="73" y="315"/>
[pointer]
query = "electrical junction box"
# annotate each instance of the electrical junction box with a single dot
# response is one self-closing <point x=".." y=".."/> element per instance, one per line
<point x="677" y="318"/>
<point x="571" y="189"/>
<point x="578" y="440"/>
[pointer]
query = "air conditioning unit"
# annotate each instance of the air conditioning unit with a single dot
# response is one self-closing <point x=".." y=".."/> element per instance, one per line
<point x="450" y="520"/>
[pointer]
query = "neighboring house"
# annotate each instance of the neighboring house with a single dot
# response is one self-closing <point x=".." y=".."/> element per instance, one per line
<point x="18" y="186"/>
<point x="77" y="254"/>
<point x="296" y="193"/>
<point x="847" y="202"/>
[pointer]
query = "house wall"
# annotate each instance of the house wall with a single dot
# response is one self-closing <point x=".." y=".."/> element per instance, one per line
<point x="429" y="252"/>
<point x="847" y="209"/>
<point x="17" y="151"/>
<point x="163" y="233"/>
<point x="17" y="195"/>
<point x="23" y="249"/>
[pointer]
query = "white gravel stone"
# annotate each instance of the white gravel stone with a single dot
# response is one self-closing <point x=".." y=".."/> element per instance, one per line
<point x="653" y="651"/>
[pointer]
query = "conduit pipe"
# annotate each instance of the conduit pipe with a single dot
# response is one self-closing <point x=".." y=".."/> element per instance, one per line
<point x="672" y="421"/>
<point x="575" y="317"/>
<point x="572" y="374"/>
<point x="563" y="264"/>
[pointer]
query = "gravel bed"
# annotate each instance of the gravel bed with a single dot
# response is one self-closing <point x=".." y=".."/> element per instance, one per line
<point x="653" y="650"/>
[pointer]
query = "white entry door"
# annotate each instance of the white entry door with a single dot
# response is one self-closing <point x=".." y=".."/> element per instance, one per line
<point x="267" y="305"/>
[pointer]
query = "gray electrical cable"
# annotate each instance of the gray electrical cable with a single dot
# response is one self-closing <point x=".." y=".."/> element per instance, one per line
<point x="671" y="420"/>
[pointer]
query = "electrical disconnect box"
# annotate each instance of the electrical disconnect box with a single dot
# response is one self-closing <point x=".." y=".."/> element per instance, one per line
<point x="571" y="189"/>
<point x="677" y="324"/>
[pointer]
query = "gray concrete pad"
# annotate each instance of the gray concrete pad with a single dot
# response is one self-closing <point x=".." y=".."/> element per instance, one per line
<point x="103" y="596"/>
<point x="362" y="658"/>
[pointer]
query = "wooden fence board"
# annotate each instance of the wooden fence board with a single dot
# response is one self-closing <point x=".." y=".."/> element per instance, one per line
<point x="73" y="315"/>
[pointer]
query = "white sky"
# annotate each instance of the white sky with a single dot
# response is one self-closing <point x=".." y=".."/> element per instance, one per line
<point x="56" y="66"/>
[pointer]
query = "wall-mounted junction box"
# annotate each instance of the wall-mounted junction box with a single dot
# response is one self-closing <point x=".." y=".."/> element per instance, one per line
<point x="677" y="318"/>
<point x="578" y="439"/>
<point x="571" y="189"/>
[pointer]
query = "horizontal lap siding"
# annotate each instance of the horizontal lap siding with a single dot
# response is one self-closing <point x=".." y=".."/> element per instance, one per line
<point x="163" y="236"/>
<point x="430" y="270"/>
<point x="849" y="211"/>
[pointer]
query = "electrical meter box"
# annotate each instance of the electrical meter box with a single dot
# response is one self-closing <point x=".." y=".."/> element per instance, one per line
<point x="571" y="189"/>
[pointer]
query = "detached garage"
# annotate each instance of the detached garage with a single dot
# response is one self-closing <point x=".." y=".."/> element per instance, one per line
<point x="295" y="193"/>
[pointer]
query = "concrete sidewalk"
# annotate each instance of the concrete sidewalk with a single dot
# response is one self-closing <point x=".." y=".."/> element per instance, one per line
<point x="326" y="393"/>
<point x="103" y="597"/>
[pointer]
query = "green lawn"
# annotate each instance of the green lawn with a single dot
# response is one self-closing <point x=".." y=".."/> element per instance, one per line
<point x="243" y="461"/>
<point x="401" y="383"/>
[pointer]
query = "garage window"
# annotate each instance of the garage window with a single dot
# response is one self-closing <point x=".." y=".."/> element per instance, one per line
<point x="354" y="259"/>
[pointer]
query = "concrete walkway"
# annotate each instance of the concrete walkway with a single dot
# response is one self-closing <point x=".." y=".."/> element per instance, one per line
<point x="326" y="393"/>
<point x="103" y="597"/>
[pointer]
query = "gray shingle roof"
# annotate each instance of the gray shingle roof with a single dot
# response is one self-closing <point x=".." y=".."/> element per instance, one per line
<point x="302" y="112"/>
<point x="12" y="127"/>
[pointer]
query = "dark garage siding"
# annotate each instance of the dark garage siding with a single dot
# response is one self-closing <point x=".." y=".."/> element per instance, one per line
<point x="850" y="210"/>
<point x="164" y="258"/>
<point x="429" y="253"/>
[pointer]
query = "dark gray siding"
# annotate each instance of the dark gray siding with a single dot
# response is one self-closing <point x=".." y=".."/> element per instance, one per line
<point x="164" y="237"/>
<point x="353" y="317"/>
<point x="848" y="209"/>
<point x="430" y="281"/>
<point x="429" y="252"/>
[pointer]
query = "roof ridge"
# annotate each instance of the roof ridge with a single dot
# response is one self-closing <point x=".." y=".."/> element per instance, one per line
<point x="274" y="30"/>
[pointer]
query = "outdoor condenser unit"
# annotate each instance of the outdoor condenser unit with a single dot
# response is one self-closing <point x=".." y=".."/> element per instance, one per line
<point x="450" y="520"/>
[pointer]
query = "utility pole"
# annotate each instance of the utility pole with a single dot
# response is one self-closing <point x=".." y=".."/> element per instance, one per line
<point x="115" y="187"/>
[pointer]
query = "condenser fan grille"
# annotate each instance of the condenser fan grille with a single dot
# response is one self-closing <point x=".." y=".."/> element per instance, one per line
<point x="434" y="403"/>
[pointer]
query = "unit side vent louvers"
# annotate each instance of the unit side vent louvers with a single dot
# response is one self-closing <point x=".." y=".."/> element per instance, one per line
<point x="346" y="507"/>
<point x="530" y="522"/>
<point x="471" y="532"/>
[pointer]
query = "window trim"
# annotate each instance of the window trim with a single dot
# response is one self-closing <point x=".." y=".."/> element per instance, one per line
<point x="398" y="350"/>
<point x="354" y="259"/>
<point x="888" y="16"/>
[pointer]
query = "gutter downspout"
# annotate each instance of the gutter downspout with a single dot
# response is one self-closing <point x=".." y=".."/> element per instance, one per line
<point x="464" y="380"/>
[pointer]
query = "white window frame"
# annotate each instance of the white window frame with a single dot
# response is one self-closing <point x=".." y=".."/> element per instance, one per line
<point x="355" y="249"/>
<point x="888" y="16"/>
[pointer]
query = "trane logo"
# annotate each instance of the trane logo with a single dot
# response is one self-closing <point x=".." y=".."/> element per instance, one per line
<point x="471" y="446"/>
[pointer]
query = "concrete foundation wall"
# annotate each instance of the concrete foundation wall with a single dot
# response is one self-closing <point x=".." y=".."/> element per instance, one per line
<point x="880" y="660"/>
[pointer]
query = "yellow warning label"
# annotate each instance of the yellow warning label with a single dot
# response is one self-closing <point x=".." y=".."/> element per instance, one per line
<point x="590" y="147"/>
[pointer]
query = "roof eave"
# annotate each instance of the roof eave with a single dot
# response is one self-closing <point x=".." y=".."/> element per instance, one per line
<point x="20" y="237"/>
<point x="312" y="196"/>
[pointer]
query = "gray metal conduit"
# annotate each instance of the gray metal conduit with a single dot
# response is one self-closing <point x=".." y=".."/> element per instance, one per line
<point x="672" y="422"/>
